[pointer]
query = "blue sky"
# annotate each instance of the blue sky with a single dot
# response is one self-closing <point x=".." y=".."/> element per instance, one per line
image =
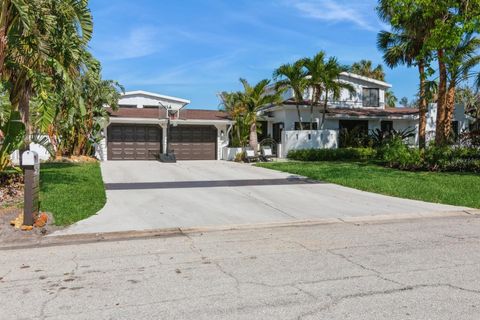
<point x="194" y="49"/>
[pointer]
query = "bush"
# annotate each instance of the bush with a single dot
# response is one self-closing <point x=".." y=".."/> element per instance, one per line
<point x="356" y="154"/>
<point x="397" y="154"/>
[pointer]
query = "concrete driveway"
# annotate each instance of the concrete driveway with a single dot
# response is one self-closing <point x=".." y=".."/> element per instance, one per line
<point x="150" y="195"/>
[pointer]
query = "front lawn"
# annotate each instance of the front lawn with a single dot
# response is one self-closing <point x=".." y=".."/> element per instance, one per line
<point x="71" y="192"/>
<point x="462" y="189"/>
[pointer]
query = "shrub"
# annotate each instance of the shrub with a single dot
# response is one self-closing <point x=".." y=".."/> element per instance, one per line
<point x="240" y="157"/>
<point x="357" y="154"/>
<point x="397" y="154"/>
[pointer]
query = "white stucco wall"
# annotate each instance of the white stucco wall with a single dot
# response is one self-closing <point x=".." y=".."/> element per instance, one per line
<point x="458" y="115"/>
<point x="101" y="150"/>
<point x="139" y="99"/>
<point x="347" y="99"/>
<point x="43" y="154"/>
<point x="306" y="139"/>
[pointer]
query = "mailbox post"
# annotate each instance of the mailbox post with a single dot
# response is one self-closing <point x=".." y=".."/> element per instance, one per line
<point x="31" y="168"/>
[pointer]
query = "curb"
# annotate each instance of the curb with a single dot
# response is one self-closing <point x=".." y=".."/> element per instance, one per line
<point x="74" y="239"/>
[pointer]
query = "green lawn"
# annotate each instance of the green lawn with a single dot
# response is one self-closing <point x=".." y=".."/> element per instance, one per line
<point x="71" y="192"/>
<point x="461" y="189"/>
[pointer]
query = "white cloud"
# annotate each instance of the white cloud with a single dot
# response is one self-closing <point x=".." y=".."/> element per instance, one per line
<point x="334" y="11"/>
<point x="139" y="42"/>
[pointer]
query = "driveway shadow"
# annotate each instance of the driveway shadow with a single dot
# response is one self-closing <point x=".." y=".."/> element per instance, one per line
<point x="209" y="184"/>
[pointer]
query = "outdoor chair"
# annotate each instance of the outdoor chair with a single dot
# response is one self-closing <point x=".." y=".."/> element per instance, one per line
<point x="267" y="154"/>
<point x="250" y="155"/>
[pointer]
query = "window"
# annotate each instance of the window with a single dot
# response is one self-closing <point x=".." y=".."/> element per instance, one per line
<point x="306" y="125"/>
<point x="371" y="97"/>
<point x="386" y="126"/>
<point x="455" y="132"/>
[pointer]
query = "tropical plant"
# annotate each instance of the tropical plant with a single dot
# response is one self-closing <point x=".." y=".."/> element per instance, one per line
<point x="365" y="68"/>
<point x="294" y="77"/>
<point x="460" y="61"/>
<point x="446" y="23"/>
<point x="332" y="85"/>
<point x="315" y="68"/>
<point x="390" y="99"/>
<point x="379" y="137"/>
<point x="404" y="46"/>
<point x="253" y="98"/>
<point x="231" y="102"/>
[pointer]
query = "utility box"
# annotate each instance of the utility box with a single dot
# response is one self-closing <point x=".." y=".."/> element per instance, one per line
<point x="31" y="169"/>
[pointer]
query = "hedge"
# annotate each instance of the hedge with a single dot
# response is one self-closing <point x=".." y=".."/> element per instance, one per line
<point x="356" y="154"/>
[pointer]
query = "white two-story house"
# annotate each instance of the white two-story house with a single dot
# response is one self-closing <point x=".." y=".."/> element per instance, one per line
<point x="363" y="109"/>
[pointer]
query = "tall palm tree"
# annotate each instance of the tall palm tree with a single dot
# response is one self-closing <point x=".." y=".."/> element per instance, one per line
<point x="365" y="68"/>
<point x="460" y="61"/>
<point x="402" y="47"/>
<point x="253" y="99"/>
<point x="332" y="84"/>
<point x="294" y="77"/>
<point x="315" y="69"/>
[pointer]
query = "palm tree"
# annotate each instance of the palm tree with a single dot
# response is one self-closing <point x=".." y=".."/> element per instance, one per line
<point x="253" y="99"/>
<point x="231" y="102"/>
<point x="332" y="84"/>
<point x="315" y="68"/>
<point x="294" y="77"/>
<point x="402" y="47"/>
<point x="365" y="68"/>
<point x="45" y="42"/>
<point x="460" y="61"/>
<point x="390" y="99"/>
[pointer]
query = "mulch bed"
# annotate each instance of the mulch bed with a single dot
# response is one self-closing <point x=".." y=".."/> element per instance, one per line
<point x="11" y="189"/>
<point x="9" y="235"/>
<point x="11" y="202"/>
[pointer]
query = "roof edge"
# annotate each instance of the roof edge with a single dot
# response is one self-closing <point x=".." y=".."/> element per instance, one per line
<point x="156" y="95"/>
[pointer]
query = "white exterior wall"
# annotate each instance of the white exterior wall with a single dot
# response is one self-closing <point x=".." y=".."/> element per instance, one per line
<point x="141" y="99"/>
<point x="306" y="139"/>
<point x="347" y="99"/>
<point x="229" y="154"/>
<point x="458" y="115"/>
<point x="43" y="154"/>
<point x="101" y="150"/>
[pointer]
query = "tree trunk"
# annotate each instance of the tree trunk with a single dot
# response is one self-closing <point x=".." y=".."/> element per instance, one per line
<point x="312" y="103"/>
<point x="253" y="137"/>
<point x="450" y="108"/>
<point x="423" y="108"/>
<point x="24" y="109"/>
<point x="299" y="117"/>
<point x="324" y="112"/>
<point x="311" y="116"/>
<point x="440" y="137"/>
<point x="4" y="21"/>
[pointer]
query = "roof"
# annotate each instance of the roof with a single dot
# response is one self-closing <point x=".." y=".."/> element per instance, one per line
<point x="367" y="79"/>
<point x="373" y="112"/>
<point x="156" y="95"/>
<point x="159" y="113"/>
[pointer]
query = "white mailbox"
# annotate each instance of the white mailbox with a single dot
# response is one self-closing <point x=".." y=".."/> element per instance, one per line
<point x="30" y="158"/>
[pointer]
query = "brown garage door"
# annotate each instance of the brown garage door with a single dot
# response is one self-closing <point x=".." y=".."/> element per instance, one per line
<point x="134" y="142"/>
<point x="194" y="142"/>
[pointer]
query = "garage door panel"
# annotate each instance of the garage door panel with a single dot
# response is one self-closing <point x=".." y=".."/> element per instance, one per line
<point x="134" y="142"/>
<point x="194" y="142"/>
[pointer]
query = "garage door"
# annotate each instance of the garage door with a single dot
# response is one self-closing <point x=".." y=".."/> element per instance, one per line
<point x="134" y="142"/>
<point x="194" y="142"/>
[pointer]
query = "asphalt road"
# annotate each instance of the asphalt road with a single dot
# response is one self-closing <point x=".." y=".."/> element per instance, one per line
<point x="145" y="195"/>
<point x="415" y="269"/>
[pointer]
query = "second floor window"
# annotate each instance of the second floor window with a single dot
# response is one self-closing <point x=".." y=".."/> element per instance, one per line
<point x="371" y="97"/>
